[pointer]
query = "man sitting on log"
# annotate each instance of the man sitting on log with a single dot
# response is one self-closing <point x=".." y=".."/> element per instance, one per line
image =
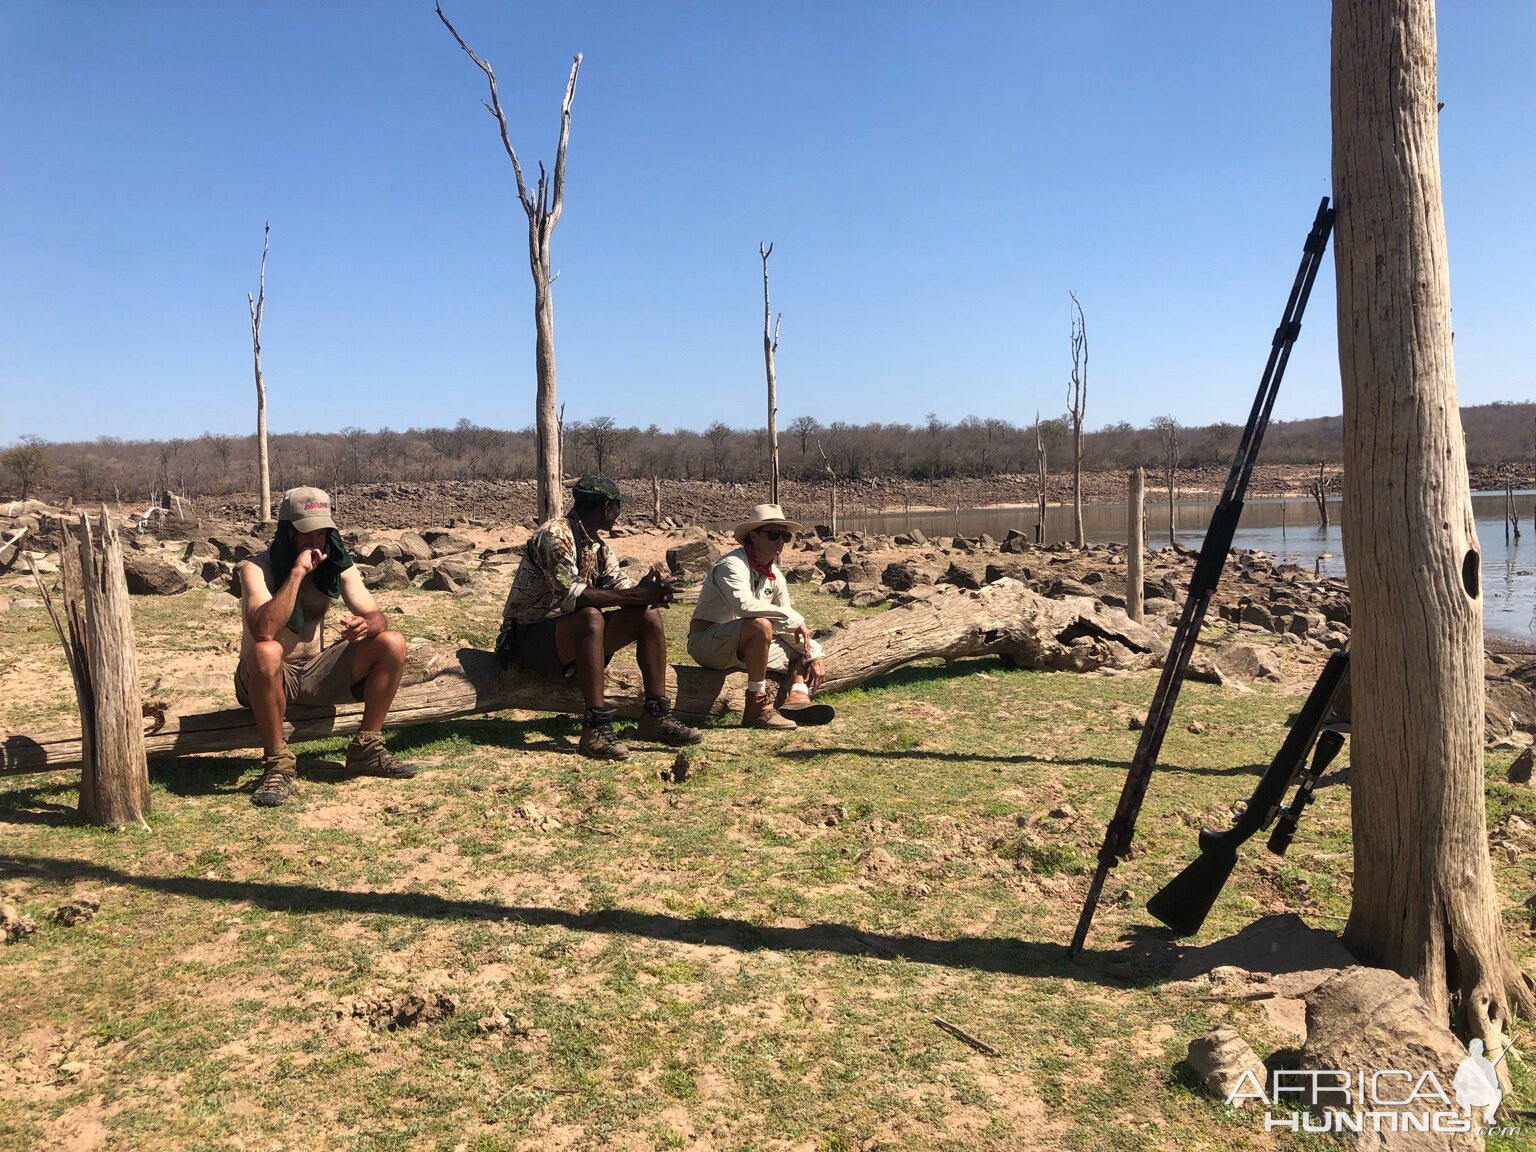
<point x="571" y="607"/>
<point x="285" y="593"/>
<point x="744" y="620"/>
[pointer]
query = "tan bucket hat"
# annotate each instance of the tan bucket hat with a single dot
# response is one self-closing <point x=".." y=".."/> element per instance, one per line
<point x="762" y="515"/>
<point x="306" y="509"/>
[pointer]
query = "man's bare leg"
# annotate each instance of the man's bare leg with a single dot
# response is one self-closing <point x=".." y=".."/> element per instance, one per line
<point x="378" y="662"/>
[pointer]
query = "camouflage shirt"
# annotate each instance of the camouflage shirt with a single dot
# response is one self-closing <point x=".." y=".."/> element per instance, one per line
<point x="560" y="562"/>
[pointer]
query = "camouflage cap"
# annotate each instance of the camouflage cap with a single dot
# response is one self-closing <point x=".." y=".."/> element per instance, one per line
<point x="596" y="489"/>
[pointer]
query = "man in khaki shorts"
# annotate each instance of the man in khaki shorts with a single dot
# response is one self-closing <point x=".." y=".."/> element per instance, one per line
<point x="744" y="620"/>
<point x="285" y="593"/>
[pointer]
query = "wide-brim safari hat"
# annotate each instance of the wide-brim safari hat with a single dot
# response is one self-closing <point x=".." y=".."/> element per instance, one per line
<point x="760" y="517"/>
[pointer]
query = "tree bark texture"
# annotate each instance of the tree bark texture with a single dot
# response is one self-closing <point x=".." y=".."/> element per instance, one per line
<point x="97" y="634"/>
<point x="1424" y="898"/>
<point x="1004" y="618"/>
<point x="1135" y="544"/>
<point x="1077" y="407"/>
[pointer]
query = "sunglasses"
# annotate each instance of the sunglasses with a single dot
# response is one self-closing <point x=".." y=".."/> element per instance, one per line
<point x="777" y="534"/>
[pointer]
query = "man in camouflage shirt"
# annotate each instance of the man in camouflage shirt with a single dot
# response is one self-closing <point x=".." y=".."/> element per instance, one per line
<point x="571" y="607"/>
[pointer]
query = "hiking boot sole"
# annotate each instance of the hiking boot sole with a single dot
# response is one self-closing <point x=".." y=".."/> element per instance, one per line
<point x="809" y="715"/>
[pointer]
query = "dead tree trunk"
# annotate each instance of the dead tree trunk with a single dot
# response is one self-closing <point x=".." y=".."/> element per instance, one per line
<point x="1135" y="544"/>
<point x="97" y="634"/>
<point x="1168" y="429"/>
<point x="257" y="306"/>
<point x="1042" y="477"/>
<point x="1320" y="494"/>
<point x="831" y="487"/>
<point x="543" y="209"/>
<point x="1424" y="899"/>
<point x="656" y="501"/>
<point x="1077" y="406"/>
<point x="771" y="346"/>
<point x="1004" y="618"/>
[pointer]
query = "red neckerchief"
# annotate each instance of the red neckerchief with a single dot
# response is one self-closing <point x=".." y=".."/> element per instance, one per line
<point x="764" y="570"/>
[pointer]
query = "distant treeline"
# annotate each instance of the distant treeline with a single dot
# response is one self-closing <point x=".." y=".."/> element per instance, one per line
<point x="213" y="464"/>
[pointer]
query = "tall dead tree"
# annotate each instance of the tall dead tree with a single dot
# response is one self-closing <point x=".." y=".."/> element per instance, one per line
<point x="258" y="305"/>
<point x="1168" y="432"/>
<point x="1042" y="476"/>
<point x="1077" y="405"/>
<point x="771" y="346"/>
<point x="1135" y="543"/>
<point x="1424" y="899"/>
<point x="543" y="207"/>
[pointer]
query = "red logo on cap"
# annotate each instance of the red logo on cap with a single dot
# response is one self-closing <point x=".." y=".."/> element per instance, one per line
<point x="310" y="505"/>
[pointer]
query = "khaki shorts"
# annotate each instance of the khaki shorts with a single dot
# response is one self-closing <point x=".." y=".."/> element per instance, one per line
<point x="317" y="682"/>
<point x="715" y="647"/>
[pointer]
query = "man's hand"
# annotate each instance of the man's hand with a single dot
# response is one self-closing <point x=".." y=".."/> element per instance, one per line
<point x="815" y="673"/>
<point x="357" y="628"/>
<point x="307" y="561"/>
<point x="658" y="589"/>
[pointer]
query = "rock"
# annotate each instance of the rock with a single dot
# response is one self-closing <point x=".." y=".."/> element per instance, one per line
<point x="965" y="574"/>
<point x="1520" y="770"/>
<point x="1368" y="1019"/>
<point x="802" y="574"/>
<point x="1009" y="571"/>
<point x="440" y="580"/>
<point x="153" y="575"/>
<point x="387" y="576"/>
<point x="199" y="550"/>
<point x="233" y="549"/>
<point x="445" y="543"/>
<point x="383" y="550"/>
<point x="1066" y="586"/>
<point x="1245" y="662"/>
<point x="866" y="598"/>
<point x="903" y="575"/>
<point x="1220" y="1059"/>
<point x="833" y="558"/>
<point x="692" y="561"/>
<point x="413" y="547"/>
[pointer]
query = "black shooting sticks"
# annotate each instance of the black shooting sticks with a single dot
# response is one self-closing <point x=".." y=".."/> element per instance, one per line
<point x="1208" y="567"/>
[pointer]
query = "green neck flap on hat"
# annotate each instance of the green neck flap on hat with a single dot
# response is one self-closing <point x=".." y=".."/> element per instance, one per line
<point x="284" y="551"/>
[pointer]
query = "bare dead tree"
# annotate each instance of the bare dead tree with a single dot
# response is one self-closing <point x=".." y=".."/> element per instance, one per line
<point x="543" y="208"/>
<point x="1320" y="494"/>
<point x="1042" y="475"/>
<point x="770" y="346"/>
<point x="1077" y="405"/>
<point x="258" y="305"/>
<point x="1168" y="432"/>
<point x="831" y="486"/>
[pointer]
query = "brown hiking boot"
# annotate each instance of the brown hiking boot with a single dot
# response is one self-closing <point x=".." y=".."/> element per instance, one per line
<point x="597" y="738"/>
<point x="367" y="756"/>
<point x="659" y="725"/>
<point x="760" y="713"/>
<point x="276" y="783"/>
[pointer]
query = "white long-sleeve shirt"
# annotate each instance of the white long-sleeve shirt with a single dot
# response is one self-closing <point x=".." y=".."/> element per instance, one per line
<point x="734" y="590"/>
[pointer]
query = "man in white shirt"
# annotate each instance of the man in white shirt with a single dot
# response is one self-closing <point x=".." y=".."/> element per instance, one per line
<point x="744" y="620"/>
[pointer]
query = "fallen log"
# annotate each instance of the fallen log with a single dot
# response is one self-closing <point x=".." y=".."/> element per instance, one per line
<point x="1005" y="618"/>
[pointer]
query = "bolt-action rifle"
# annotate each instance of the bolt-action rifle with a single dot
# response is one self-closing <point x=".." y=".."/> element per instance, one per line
<point x="1185" y="900"/>
<point x="1208" y="566"/>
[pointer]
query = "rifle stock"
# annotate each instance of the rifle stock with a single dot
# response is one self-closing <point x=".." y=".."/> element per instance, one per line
<point x="1185" y="901"/>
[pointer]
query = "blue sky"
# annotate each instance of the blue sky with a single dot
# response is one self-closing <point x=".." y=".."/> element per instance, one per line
<point x="934" y="179"/>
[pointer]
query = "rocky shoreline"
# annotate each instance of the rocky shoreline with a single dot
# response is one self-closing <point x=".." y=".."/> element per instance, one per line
<point x="1275" y="614"/>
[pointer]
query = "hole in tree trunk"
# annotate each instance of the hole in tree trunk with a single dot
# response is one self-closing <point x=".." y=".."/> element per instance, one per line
<point x="1469" y="572"/>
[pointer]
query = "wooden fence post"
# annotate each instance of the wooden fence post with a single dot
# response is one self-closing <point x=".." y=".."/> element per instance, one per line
<point x="1135" y="544"/>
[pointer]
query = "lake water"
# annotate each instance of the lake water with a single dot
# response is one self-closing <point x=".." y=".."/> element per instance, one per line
<point x="1285" y="529"/>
